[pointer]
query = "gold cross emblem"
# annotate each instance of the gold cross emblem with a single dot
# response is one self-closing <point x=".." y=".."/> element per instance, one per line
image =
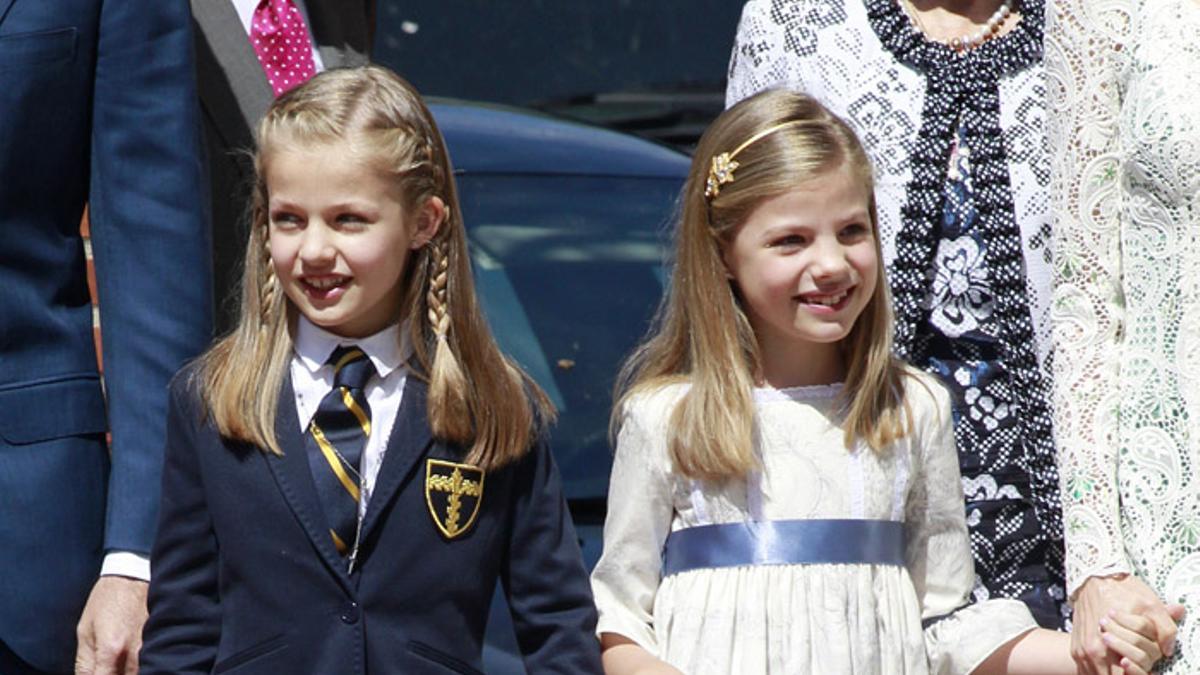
<point x="451" y="489"/>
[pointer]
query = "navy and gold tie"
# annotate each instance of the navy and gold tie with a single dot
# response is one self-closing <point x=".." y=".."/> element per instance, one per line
<point x="337" y="435"/>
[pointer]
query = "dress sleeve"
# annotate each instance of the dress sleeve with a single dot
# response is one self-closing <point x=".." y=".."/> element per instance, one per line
<point x="757" y="62"/>
<point x="1083" y="46"/>
<point x="958" y="636"/>
<point x="640" y="509"/>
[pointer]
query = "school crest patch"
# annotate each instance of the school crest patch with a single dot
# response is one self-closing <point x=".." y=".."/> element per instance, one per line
<point x="453" y="493"/>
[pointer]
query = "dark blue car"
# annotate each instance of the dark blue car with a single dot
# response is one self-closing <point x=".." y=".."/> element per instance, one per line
<point x="567" y="227"/>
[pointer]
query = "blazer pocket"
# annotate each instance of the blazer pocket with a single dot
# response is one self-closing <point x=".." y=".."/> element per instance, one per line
<point x="31" y="412"/>
<point x="437" y="656"/>
<point x="251" y="654"/>
<point x="27" y="49"/>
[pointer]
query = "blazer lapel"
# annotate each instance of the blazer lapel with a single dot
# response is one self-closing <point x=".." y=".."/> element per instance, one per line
<point x="5" y="5"/>
<point x="406" y="446"/>
<point x="294" y="478"/>
<point x="233" y="88"/>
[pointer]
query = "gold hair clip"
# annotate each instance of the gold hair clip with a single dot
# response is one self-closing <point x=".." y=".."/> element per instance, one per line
<point x="723" y="164"/>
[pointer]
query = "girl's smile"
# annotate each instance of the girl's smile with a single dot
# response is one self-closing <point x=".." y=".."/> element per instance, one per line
<point x="340" y="237"/>
<point x="804" y="267"/>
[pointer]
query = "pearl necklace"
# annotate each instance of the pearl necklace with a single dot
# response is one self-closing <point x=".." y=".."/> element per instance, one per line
<point x="990" y="29"/>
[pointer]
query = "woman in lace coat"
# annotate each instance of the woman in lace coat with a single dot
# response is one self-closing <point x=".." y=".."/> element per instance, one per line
<point x="1124" y="77"/>
<point x="948" y="97"/>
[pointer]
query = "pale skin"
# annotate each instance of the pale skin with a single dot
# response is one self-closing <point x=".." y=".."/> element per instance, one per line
<point x="805" y="264"/>
<point x="1122" y="594"/>
<point x="944" y="20"/>
<point x="110" y="629"/>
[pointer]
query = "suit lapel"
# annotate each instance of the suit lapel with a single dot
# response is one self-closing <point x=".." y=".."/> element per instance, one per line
<point x="406" y="446"/>
<point x="294" y="478"/>
<point x="233" y="88"/>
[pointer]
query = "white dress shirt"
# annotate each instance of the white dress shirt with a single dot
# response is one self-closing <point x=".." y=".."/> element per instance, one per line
<point x="312" y="379"/>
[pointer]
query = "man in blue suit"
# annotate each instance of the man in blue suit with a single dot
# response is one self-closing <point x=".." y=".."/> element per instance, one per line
<point x="97" y="106"/>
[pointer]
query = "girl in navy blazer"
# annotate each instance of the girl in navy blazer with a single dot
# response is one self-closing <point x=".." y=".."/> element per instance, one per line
<point x="352" y="469"/>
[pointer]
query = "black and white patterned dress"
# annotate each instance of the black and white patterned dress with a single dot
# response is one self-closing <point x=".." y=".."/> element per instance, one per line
<point x="962" y="175"/>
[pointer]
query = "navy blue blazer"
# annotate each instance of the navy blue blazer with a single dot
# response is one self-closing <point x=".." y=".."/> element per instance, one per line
<point x="97" y="105"/>
<point x="246" y="578"/>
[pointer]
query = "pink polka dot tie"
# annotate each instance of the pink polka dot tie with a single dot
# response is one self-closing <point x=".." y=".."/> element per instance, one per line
<point x="281" y="42"/>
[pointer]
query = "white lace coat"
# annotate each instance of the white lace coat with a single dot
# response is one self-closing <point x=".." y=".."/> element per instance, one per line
<point x="1124" y="86"/>
<point x="787" y="619"/>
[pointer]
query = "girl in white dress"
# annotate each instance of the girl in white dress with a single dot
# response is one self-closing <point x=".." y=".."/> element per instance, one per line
<point x="785" y="495"/>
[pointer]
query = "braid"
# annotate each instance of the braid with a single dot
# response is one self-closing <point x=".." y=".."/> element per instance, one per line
<point x="439" y="277"/>
<point x="270" y="285"/>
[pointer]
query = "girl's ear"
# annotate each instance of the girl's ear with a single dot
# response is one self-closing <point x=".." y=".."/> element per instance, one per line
<point x="429" y="219"/>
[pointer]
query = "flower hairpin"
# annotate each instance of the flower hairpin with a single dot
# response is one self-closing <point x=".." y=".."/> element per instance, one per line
<point x="719" y="174"/>
<point x="724" y="164"/>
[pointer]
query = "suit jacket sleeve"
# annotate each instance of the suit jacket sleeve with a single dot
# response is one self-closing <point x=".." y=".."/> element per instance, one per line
<point x="544" y="577"/>
<point x="183" y="630"/>
<point x="150" y="241"/>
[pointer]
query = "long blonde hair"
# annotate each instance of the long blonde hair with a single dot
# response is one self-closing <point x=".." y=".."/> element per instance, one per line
<point x="701" y="333"/>
<point x="477" y="397"/>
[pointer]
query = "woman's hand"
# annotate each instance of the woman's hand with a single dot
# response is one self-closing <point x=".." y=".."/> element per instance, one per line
<point x="1127" y="595"/>
<point x="1133" y="639"/>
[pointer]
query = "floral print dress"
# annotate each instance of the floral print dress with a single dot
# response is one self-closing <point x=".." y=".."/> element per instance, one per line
<point x="962" y="179"/>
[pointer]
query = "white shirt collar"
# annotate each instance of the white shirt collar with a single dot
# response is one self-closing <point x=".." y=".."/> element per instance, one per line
<point x="245" y="10"/>
<point x="388" y="349"/>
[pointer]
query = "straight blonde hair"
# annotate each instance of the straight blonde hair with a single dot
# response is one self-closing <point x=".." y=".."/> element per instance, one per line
<point x="477" y="397"/>
<point x="701" y="334"/>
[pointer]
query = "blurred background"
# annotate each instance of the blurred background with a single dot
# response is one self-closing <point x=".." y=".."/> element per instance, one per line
<point x="655" y="68"/>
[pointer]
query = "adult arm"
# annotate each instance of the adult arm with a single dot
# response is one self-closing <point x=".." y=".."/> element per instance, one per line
<point x="1085" y="43"/>
<point x="150" y="241"/>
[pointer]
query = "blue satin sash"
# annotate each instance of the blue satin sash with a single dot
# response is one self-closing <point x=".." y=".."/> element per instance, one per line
<point x="784" y="542"/>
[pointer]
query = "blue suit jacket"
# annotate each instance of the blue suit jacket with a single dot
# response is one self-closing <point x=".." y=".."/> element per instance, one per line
<point x="246" y="578"/>
<point x="97" y="105"/>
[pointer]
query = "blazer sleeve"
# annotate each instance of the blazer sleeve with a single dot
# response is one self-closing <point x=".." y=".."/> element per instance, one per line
<point x="183" y="630"/>
<point x="543" y="574"/>
<point x="149" y="222"/>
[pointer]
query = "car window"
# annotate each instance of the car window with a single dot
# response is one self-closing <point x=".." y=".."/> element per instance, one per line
<point x="569" y="271"/>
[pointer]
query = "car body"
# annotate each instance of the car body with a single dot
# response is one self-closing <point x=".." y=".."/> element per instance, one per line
<point x="567" y="226"/>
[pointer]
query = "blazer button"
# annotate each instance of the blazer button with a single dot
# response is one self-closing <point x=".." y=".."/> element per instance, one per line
<point x="350" y="613"/>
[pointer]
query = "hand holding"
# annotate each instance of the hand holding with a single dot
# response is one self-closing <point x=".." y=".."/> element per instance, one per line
<point x="1127" y="595"/>
<point x="1133" y="639"/>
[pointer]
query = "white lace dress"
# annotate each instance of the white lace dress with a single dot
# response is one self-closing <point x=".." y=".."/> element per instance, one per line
<point x="787" y="619"/>
<point x="1124" y="86"/>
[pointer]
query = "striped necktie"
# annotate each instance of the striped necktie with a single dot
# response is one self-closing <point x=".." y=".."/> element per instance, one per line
<point x="337" y="435"/>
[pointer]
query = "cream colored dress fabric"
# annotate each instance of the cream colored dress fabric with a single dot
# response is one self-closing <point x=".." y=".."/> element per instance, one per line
<point x="788" y="619"/>
<point x="1124" y="90"/>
